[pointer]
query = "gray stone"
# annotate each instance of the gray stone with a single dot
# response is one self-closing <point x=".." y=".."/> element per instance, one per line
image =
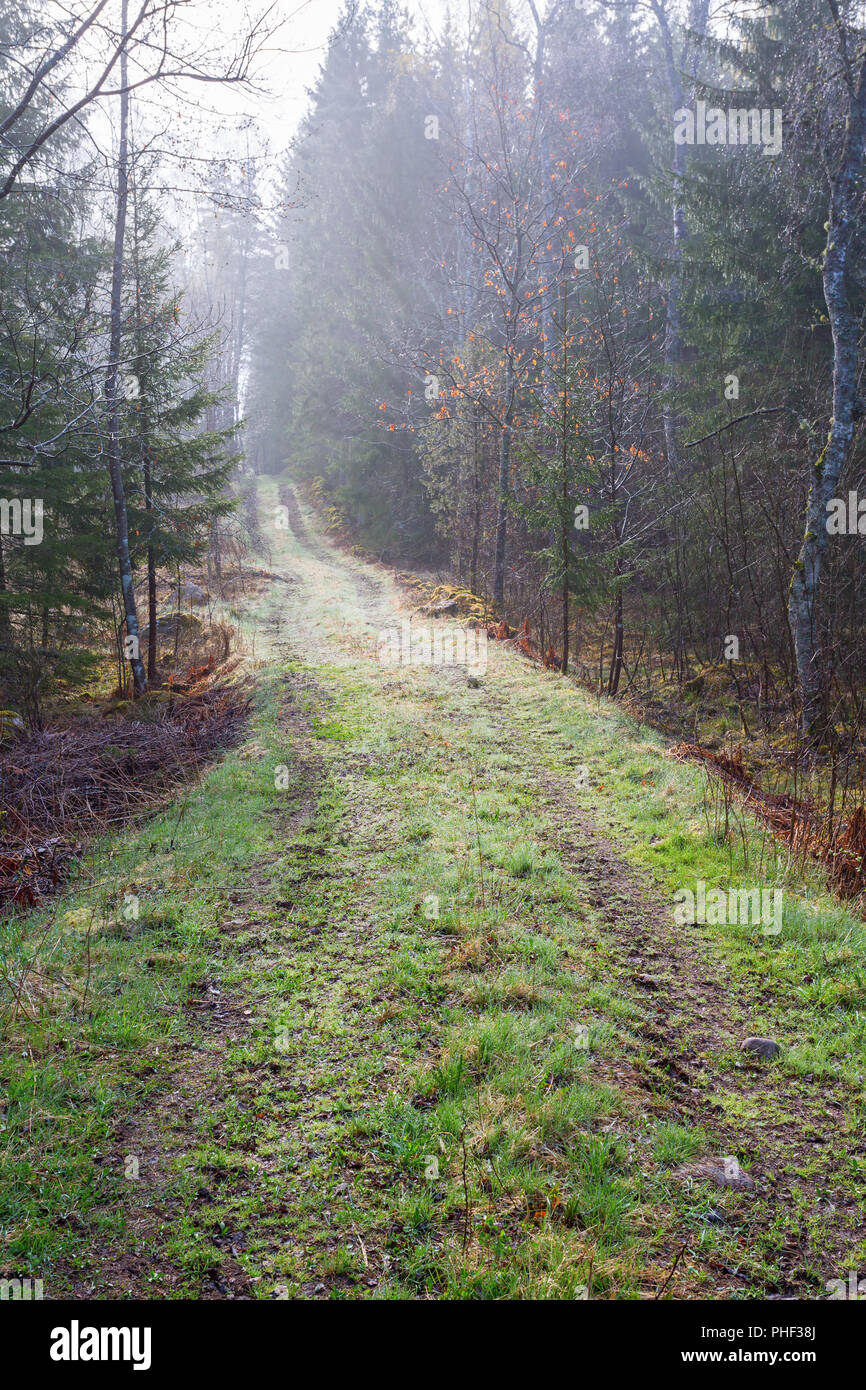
<point x="761" y="1047"/>
<point x="724" y="1172"/>
<point x="173" y="623"/>
<point x="443" y="607"/>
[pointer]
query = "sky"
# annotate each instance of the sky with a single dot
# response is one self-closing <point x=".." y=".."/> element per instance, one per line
<point x="290" y="65"/>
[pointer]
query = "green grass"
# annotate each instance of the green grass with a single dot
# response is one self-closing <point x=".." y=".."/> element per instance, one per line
<point x="104" y="1008"/>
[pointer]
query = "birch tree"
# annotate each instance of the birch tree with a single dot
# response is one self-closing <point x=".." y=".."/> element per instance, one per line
<point x="845" y="198"/>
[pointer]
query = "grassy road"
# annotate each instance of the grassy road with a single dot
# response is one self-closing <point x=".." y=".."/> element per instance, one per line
<point x="405" y="1012"/>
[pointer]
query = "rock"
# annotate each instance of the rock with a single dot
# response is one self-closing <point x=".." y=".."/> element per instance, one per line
<point x="442" y="608"/>
<point x="193" y="593"/>
<point x="761" y="1047"/>
<point x="715" y="1218"/>
<point x="172" y="623"/>
<point x="724" y="1172"/>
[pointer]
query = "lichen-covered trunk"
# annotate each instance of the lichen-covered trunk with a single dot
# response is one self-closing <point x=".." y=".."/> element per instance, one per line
<point x="828" y="468"/>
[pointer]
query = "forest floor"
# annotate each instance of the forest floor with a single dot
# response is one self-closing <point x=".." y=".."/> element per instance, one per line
<point x="406" y="1013"/>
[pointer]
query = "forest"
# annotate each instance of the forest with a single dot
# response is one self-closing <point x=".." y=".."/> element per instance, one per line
<point x="565" y="302"/>
<point x="432" y="681"/>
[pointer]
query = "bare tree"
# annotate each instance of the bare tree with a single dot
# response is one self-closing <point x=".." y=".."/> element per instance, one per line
<point x="512" y="203"/>
<point x="148" y="39"/>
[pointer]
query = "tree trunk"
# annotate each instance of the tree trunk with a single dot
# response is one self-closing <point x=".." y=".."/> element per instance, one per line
<point x="112" y="386"/>
<point x="144" y="430"/>
<point x="504" y="470"/>
<point x="5" y="624"/>
<point x="673" y="331"/>
<point x="616" y="655"/>
<point x="828" y="468"/>
<point x="476" y="500"/>
<point x="151" y="581"/>
<point x="564" y="479"/>
<point x="565" y="618"/>
<point x="151" y="616"/>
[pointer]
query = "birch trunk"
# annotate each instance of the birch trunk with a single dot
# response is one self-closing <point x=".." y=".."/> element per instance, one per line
<point x="828" y="467"/>
<point x="112" y="384"/>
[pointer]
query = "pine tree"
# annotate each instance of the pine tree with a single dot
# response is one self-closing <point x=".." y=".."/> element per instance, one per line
<point x="175" y="474"/>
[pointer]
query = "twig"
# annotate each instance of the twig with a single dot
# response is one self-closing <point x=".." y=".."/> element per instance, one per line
<point x="682" y="1250"/>
<point x="477" y="835"/>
